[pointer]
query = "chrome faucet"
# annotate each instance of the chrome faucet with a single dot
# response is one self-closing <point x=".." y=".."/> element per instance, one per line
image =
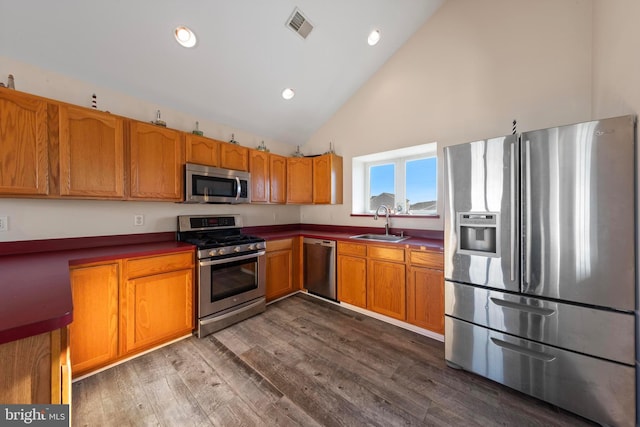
<point x="386" y="224"/>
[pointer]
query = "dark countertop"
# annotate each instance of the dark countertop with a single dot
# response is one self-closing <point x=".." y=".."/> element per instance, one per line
<point x="36" y="289"/>
<point x="423" y="243"/>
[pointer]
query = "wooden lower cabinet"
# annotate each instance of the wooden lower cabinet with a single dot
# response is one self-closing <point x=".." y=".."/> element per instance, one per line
<point x="352" y="274"/>
<point x="156" y="304"/>
<point x="386" y="288"/>
<point x="94" y="329"/>
<point x="36" y="369"/>
<point x="403" y="283"/>
<point x="129" y="305"/>
<point x="280" y="268"/>
<point x="425" y="298"/>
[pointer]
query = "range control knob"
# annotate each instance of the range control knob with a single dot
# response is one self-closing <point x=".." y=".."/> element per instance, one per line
<point x="252" y="247"/>
<point x="221" y="251"/>
<point x="236" y="249"/>
<point x="212" y="253"/>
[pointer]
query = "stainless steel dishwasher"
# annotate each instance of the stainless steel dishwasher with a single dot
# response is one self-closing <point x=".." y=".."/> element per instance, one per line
<point x="320" y="267"/>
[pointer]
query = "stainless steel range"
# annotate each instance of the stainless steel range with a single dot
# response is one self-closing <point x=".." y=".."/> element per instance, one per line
<point x="231" y="270"/>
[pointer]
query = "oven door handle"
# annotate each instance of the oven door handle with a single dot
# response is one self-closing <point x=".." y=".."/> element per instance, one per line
<point x="225" y="260"/>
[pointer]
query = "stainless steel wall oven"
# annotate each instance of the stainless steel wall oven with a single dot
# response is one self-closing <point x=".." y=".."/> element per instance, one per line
<point x="231" y="270"/>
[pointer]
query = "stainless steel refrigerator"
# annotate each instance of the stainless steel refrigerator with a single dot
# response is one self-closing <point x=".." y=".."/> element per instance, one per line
<point x="540" y="277"/>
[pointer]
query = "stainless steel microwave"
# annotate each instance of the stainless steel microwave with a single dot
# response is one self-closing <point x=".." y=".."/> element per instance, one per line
<point x="206" y="184"/>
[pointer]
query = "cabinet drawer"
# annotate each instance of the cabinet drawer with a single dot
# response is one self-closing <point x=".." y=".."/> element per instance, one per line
<point x="433" y="260"/>
<point x="279" y="245"/>
<point x="138" y="267"/>
<point x="356" y="249"/>
<point x="386" y="253"/>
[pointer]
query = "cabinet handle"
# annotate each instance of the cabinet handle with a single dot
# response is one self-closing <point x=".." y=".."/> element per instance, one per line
<point x="523" y="307"/>
<point x="545" y="357"/>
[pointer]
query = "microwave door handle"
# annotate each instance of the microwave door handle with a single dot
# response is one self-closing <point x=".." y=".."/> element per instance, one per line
<point x="238" y="188"/>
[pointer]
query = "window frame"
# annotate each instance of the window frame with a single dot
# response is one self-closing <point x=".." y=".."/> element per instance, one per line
<point x="362" y="178"/>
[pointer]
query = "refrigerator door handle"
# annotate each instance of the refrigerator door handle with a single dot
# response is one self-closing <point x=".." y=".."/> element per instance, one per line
<point x="526" y="215"/>
<point x="545" y="357"/>
<point x="512" y="196"/>
<point x="523" y="307"/>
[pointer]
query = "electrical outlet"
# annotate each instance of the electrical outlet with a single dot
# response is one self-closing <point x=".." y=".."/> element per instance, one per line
<point x="4" y="223"/>
<point x="138" y="220"/>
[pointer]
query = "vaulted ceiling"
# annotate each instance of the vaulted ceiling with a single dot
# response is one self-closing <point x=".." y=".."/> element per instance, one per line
<point x="244" y="57"/>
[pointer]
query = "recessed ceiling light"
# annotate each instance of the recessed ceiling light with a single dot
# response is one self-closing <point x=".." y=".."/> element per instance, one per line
<point x="288" y="93"/>
<point x="185" y="36"/>
<point x="374" y="37"/>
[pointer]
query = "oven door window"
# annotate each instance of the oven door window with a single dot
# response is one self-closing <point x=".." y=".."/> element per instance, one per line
<point x="233" y="278"/>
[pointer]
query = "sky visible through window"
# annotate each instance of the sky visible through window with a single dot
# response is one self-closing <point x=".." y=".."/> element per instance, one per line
<point x="420" y="180"/>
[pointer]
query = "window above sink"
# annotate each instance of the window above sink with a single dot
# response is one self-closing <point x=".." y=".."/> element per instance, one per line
<point x="403" y="179"/>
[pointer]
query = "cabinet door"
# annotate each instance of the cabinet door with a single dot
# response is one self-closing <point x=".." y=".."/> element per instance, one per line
<point x="155" y="309"/>
<point x="352" y="280"/>
<point x="278" y="178"/>
<point x="327" y="179"/>
<point x="201" y="150"/>
<point x="24" y="158"/>
<point x="425" y="298"/>
<point x="94" y="330"/>
<point x="91" y="153"/>
<point x="279" y="258"/>
<point x="259" y="168"/>
<point x="386" y="288"/>
<point x="156" y="157"/>
<point x="299" y="180"/>
<point x="233" y="156"/>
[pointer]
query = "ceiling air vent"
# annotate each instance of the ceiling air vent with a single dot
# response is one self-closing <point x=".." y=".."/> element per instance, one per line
<point x="298" y="23"/>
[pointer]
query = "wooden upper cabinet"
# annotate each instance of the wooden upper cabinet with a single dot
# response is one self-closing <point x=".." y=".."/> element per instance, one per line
<point x="201" y="150"/>
<point x="156" y="162"/>
<point x="327" y="179"/>
<point x="233" y="156"/>
<point x="299" y="180"/>
<point x="260" y="177"/>
<point x="278" y="179"/>
<point x="91" y="153"/>
<point x="24" y="158"/>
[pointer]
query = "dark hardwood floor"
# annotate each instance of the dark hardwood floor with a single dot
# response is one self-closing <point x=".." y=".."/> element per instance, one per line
<point x="304" y="362"/>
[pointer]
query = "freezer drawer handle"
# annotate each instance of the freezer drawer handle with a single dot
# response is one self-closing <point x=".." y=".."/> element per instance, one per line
<point x="527" y="352"/>
<point x="523" y="307"/>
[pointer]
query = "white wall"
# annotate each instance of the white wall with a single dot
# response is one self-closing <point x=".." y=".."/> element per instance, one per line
<point x="616" y="58"/>
<point x="465" y="75"/>
<point x="43" y="219"/>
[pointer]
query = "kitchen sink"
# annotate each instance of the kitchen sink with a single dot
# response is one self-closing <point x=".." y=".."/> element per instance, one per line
<point x="380" y="237"/>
